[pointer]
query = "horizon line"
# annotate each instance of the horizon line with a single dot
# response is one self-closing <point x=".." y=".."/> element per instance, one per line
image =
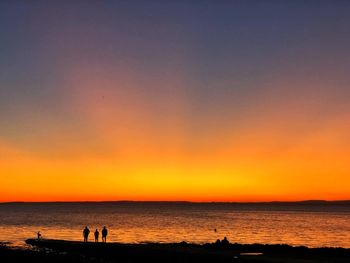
<point x="311" y="201"/>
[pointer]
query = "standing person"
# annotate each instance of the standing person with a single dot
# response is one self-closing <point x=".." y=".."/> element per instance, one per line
<point x="96" y="235"/>
<point x="86" y="233"/>
<point x="104" y="234"/>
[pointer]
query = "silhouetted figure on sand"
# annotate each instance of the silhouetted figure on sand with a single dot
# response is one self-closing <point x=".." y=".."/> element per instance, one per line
<point x="104" y="234"/>
<point x="225" y="242"/>
<point x="39" y="235"/>
<point x="222" y="243"/>
<point x="86" y="233"/>
<point x="96" y="235"/>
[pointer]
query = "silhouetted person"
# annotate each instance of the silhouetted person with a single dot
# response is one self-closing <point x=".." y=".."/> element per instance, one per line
<point x="225" y="242"/>
<point x="39" y="235"/>
<point x="96" y="235"/>
<point x="104" y="234"/>
<point x="215" y="230"/>
<point x="86" y="233"/>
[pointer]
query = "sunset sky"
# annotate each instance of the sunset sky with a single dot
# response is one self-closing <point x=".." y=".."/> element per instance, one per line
<point x="174" y="100"/>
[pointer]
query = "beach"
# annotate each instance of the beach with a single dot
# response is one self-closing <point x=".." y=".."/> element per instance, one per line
<point x="73" y="251"/>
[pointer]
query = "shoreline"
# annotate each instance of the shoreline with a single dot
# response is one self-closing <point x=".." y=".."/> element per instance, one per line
<point x="33" y="242"/>
<point x="76" y="251"/>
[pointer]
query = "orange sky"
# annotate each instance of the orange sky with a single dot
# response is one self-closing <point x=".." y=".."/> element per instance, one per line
<point x="252" y="168"/>
<point x="217" y="103"/>
<point x="120" y="148"/>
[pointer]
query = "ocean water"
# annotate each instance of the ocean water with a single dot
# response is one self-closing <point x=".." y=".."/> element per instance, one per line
<point x="308" y="225"/>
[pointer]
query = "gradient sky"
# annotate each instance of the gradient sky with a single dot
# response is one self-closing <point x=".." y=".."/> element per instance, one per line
<point x="174" y="100"/>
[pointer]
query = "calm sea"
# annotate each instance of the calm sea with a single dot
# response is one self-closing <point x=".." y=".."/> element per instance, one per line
<point x="309" y="225"/>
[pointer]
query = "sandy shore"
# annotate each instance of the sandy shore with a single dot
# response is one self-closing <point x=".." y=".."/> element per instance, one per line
<point x="71" y="251"/>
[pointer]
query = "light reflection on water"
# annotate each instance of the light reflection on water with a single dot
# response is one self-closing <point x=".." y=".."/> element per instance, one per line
<point x="134" y="223"/>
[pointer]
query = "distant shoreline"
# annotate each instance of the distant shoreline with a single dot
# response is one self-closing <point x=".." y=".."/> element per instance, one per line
<point x="303" y="202"/>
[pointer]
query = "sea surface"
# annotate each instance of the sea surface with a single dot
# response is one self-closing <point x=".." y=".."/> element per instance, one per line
<point x="312" y="225"/>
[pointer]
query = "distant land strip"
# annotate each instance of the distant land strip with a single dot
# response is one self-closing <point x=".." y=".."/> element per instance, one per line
<point x="304" y="202"/>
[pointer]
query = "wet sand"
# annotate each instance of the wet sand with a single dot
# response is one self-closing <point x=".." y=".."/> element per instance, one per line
<point x="72" y="251"/>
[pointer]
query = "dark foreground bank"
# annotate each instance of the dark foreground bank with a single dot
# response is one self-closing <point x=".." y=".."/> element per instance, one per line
<point x="70" y="251"/>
